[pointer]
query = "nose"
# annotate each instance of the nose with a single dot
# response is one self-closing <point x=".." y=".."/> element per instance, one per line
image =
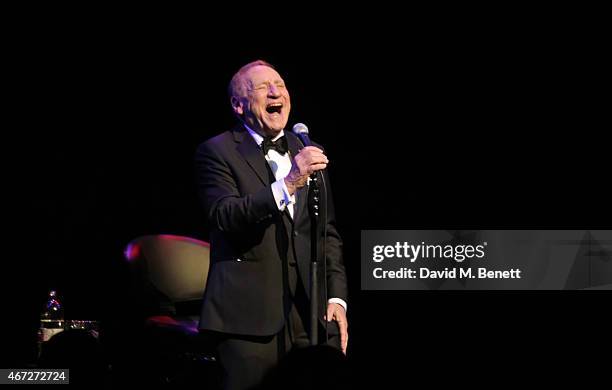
<point x="273" y="91"/>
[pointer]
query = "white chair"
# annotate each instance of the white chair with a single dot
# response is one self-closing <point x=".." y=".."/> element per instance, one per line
<point x="176" y="268"/>
<point x="170" y="278"/>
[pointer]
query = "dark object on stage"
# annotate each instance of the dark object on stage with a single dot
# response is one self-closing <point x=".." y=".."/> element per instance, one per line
<point x="170" y="278"/>
<point x="80" y="351"/>
<point x="312" y="368"/>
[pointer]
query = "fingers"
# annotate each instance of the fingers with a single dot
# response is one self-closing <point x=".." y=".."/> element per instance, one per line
<point x="343" y="337"/>
<point x="343" y="325"/>
<point x="311" y="159"/>
<point x="306" y="162"/>
<point x="337" y="314"/>
<point x="317" y="159"/>
<point x="330" y="313"/>
<point x="316" y="167"/>
<point x="312" y="148"/>
<point x="312" y="155"/>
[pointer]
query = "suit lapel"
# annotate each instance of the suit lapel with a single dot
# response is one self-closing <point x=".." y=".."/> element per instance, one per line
<point x="251" y="152"/>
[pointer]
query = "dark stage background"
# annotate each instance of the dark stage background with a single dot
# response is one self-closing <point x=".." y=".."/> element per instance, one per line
<point x="433" y="130"/>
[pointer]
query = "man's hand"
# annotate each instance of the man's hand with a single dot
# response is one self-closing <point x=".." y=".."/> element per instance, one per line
<point x="336" y="313"/>
<point x="307" y="161"/>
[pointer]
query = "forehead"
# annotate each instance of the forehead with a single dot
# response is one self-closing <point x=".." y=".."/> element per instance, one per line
<point x="260" y="74"/>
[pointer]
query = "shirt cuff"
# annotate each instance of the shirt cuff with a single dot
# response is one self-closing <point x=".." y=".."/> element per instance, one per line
<point x="281" y="194"/>
<point x="339" y="301"/>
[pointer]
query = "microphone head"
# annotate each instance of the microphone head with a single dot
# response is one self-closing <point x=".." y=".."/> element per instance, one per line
<point x="300" y="128"/>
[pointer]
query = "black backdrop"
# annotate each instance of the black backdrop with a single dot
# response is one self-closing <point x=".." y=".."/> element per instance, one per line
<point x="437" y="130"/>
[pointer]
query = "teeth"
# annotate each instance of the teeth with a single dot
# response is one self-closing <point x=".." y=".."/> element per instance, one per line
<point x="274" y="108"/>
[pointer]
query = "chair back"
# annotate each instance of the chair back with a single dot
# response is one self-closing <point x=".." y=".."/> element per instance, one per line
<point x="176" y="266"/>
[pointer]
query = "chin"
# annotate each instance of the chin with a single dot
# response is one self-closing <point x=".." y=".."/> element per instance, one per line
<point x="275" y="129"/>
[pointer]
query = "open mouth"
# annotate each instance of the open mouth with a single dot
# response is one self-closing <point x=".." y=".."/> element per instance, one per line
<point x="274" y="108"/>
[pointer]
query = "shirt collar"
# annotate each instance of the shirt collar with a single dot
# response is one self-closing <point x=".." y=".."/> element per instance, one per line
<point x="258" y="138"/>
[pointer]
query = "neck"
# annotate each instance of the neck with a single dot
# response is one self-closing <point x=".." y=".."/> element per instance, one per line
<point x="264" y="134"/>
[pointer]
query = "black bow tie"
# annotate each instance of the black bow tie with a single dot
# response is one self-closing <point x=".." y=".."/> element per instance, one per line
<point x="280" y="145"/>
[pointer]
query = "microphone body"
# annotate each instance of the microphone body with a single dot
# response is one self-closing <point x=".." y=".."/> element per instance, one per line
<point x="301" y="131"/>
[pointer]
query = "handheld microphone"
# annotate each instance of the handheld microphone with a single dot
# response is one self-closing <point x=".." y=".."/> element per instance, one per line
<point x="301" y="130"/>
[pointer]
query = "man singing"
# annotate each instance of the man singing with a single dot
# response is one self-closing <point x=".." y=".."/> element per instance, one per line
<point x="253" y="181"/>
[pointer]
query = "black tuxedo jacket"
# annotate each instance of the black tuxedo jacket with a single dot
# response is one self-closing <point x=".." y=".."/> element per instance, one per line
<point x="251" y="239"/>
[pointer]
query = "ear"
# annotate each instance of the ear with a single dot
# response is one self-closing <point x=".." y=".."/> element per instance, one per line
<point x="237" y="105"/>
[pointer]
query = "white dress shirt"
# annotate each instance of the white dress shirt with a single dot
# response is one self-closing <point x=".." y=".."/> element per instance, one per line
<point x="280" y="166"/>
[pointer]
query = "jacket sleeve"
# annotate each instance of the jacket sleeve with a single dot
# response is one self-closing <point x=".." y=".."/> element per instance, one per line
<point x="226" y="209"/>
<point x="336" y="274"/>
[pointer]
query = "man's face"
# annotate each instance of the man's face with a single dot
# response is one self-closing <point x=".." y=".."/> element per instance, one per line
<point x="263" y="102"/>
